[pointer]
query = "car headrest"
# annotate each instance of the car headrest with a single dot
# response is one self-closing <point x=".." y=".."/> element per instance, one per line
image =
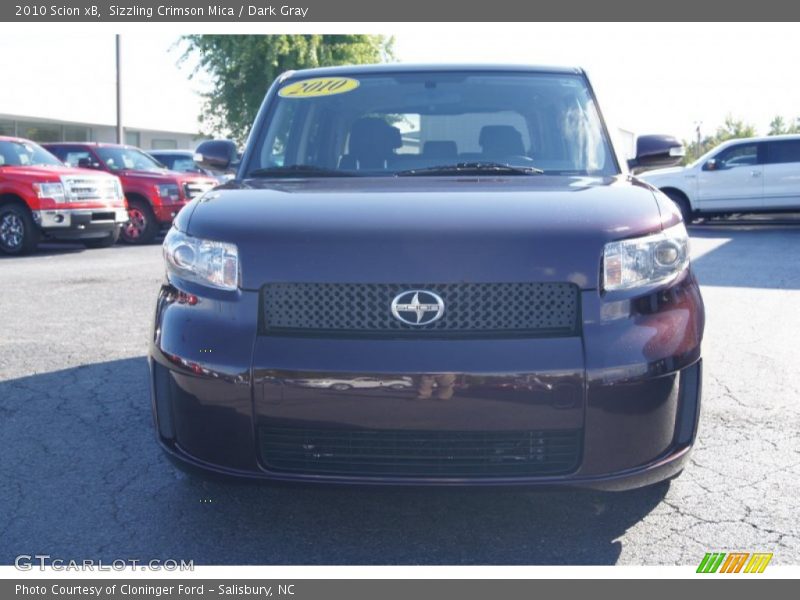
<point x="372" y="136"/>
<point x="501" y="140"/>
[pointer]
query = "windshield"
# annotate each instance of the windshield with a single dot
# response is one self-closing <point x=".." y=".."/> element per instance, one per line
<point x="416" y="123"/>
<point x="183" y="163"/>
<point x="118" y="158"/>
<point x="25" y="154"/>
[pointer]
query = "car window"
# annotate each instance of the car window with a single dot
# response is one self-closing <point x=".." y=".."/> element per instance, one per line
<point x="24" y="153"/>
<point x="185" y="165"/>
<point x="737" y="156"/>
<point x="165" y="159"/>
<point x="785" y="151"/>
<point x="117" y="158"/>
<point x="383" y="124"/>
<point x="73" y="157"/>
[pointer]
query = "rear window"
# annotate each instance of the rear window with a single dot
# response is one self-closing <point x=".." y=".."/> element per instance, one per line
<point x="380" y="124"/>
<point x="787" y="151"/>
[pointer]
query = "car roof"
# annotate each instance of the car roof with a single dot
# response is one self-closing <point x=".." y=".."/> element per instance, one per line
<point x="391" y="68"/>
<point x="761" y="138"/>
<point x="90" y="144"/>
<point x="11" y="138"/>
<point x="164" y="152"/>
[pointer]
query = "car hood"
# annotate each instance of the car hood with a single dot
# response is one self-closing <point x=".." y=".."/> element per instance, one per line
<point x="47" y="173"/>
<point x="166" y="176"/>
<point x="423" y="230"/>
<point x="655" y="173"/>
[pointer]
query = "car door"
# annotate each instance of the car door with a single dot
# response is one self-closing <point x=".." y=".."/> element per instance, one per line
<point x="782" y="175"/>
<point x="732" y="180"/>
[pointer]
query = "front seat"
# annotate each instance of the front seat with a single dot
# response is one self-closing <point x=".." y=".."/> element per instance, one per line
<point x="372" y="143"/>
<point x="501" y="141"/>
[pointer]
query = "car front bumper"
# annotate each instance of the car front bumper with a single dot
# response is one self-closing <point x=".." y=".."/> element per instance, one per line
<point x="80" y="223"/>
<point x="614" y="408"/>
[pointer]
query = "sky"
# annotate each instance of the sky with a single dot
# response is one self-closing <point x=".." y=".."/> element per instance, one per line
<point x="649" y="78"/>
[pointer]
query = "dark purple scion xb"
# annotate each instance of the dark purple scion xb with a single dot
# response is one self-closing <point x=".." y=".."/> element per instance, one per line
<point x="437" y="275"/>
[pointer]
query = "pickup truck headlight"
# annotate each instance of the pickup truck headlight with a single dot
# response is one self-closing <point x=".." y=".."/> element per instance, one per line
<point x="207" y="262"/>
<point x="168" y="191"/>
<point x="118" y="189"/>
<point x="646" y="260"/>
<point x="53" y="191"/>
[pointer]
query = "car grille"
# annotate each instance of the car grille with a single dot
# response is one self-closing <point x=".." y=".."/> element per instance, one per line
<point x="478" y="309"/>
<point x="192" y="189"/>
<point x="395" y="453"/>
<point x="84" y="189"/>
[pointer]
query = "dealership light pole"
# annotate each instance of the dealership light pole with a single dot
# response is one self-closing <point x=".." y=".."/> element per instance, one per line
<point x="120" y="133"/>
<point x="699" y="137"/>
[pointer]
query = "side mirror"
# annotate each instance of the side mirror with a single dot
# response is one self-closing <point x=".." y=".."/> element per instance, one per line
<point x="217" y="155"/>
<point x="711" y="165"/>
<point x="656" y="151"/>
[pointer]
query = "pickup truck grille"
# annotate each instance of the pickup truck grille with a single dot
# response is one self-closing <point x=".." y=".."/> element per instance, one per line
<point x="80" y="188"/>
<point x="400" y="453"/>
<point x="192" y="189"/>
<point x="470" y="309"/>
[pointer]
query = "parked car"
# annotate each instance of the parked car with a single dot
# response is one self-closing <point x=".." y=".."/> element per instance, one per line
<point x="507" y="243"/>
<point x="743" y="175"/>
<point x="186" y="161"/>
<point x="154" y="194"/>
<point x="40" y="199"/>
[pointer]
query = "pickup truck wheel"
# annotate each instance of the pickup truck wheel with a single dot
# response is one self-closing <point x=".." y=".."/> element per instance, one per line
<point x="18" y="233"/>
<point x="103" y="242"/>
<point x="683" y="203"/>
<point x="141" y="227"/>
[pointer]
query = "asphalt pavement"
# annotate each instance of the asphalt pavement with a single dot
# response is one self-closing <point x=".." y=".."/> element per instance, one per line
<point x="82" y="476"/>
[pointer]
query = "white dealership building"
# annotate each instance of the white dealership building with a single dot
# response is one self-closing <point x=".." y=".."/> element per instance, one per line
<point x="63" y="88"/>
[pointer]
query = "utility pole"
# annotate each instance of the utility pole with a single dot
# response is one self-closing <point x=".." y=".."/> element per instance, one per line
<point x="699" y="138"/>
<point x="120" y="132"/>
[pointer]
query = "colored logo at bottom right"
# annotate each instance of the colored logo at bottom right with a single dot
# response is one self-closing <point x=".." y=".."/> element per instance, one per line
<point x="734" y="562"/>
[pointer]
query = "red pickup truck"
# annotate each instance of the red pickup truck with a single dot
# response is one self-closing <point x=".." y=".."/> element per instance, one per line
<point x="40" y="198"/>
<point x="154" y="194"/>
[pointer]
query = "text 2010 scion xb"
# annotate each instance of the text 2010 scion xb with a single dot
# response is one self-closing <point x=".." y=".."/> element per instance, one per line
<point x="430" y="275"/>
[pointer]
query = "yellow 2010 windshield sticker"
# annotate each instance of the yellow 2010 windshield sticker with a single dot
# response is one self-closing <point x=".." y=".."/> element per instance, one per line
<point x="320" y="86"/>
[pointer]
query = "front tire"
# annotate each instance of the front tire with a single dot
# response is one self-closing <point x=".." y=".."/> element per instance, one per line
<point x="683" y="203"/>
<point x="104" y="242"/>
<point x="18" y="233"/>
<point x="141" y="227"/>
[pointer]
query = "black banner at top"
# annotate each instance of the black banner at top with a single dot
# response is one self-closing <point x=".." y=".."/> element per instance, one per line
<point x="392" y="11"/>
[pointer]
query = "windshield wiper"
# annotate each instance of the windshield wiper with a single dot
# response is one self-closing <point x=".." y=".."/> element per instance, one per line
<point x="472" y="168"/>
<point x="298" y="171"/>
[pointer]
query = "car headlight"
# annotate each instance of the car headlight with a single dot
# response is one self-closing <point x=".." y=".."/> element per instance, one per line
<point x="207" y="262"/>
<point x="646" y="260"/>
<point x="168" y="191"/>
<point x="118" y="189"/>
<point x="53" y="191"/>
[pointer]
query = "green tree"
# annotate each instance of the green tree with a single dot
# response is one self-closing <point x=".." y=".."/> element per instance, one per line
<point x="242" y="67"/>
<point x="733" y="128"/>
<point x="778" y="126"/>
<point x="730" y="129"/>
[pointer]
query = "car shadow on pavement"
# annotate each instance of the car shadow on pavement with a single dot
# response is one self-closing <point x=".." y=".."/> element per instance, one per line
<point x="50" y="249"/>
<point x="749" y="256"/>
<point x="85" y="479"/>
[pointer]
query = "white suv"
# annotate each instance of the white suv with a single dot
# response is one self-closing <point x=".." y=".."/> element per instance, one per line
<point x="743" y="175"/>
